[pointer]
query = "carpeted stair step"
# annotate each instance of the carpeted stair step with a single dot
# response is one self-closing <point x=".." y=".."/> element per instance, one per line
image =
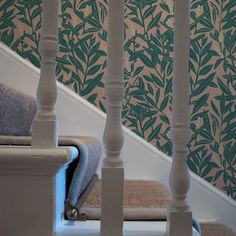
<point x="17" y="111"/>
<point x="143" y="200"/>
<point x="215" y="229"/>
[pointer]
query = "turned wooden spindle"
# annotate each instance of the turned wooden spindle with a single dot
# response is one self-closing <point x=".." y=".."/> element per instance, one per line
<point x="112" y="170"/>
<point x="179" y="214"/>
<point x="44" y="129"/>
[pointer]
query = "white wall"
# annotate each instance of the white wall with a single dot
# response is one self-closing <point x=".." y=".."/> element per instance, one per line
<point x="142" y="161"/>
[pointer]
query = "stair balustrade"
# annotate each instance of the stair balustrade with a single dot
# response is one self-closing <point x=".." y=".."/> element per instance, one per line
<point x="179" y="213"/>
<point x="112" y="170"/>
<point x="44" y="133"/>
<point x="33" y="178"/>
<point x="44" y="129"/>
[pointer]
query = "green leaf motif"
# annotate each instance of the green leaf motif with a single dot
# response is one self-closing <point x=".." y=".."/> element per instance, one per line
<point x="200" y="102"/>
<point x="154" y="133"/>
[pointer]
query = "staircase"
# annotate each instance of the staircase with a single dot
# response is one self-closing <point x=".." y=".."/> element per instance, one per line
<point x="203" y="196"/>
<point x="27" y="168"/>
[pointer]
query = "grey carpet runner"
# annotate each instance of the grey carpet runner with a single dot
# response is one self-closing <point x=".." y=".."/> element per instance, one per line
<point x="17" y="111"/>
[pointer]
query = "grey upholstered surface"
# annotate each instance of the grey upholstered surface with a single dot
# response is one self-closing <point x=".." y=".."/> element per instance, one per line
<point x="89" y="154"/>
<point x="17" y="111"/>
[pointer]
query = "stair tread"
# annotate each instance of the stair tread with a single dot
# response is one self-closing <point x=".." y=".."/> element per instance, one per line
<point x="143" y="200"/>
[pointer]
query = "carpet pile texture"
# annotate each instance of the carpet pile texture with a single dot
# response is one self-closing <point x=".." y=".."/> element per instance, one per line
<point x="17" y="111"/>
<point x="143" y="200"/>
<point x="215" y="229"/>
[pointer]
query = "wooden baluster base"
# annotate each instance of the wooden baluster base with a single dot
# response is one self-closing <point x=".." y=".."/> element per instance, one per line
<point x="112" y="204"/>
<point x="44" y="133"/>
<point x="179" y="223"/>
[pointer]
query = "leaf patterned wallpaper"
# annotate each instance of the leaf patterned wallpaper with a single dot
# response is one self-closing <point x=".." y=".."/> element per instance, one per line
<point x="148" y="73"/>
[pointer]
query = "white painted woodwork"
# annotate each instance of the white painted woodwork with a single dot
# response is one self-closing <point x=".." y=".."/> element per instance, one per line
<point x="112" y="170"/>
<point x="32" y="183"/>
<point x="34" y="178"/>
<point x="179" y="214"/>
<point x="131" y="228"/>
<point x="44" y="130"/>
<point x="150" y="164"/>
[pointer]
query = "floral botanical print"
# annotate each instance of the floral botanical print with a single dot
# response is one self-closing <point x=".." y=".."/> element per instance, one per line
<point x="148" y="60"/>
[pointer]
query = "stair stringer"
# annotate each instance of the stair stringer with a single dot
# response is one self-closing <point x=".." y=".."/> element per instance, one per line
<point x="141" y="160"/>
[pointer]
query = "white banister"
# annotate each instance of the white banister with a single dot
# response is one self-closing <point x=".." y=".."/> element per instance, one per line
<point x="112" y="170"/>
<point x="34" y="178"/>
<point x="44" y="129"/>
<point x="179" y="214"/>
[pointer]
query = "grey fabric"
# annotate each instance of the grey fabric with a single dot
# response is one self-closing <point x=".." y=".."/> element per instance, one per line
<point x="89" y="154"/>
<point x="17" y="111"/>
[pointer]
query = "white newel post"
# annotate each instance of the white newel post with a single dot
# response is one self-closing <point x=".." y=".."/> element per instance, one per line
<point x="179" y="214"/>
<point x="32" y="179"/>
<point x="44" y="130"/>
<point x="112" y="170"/>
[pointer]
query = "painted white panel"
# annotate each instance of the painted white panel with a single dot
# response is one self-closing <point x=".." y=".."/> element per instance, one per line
<point x="137" y="228"/>
<point x="142" y="161"/>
